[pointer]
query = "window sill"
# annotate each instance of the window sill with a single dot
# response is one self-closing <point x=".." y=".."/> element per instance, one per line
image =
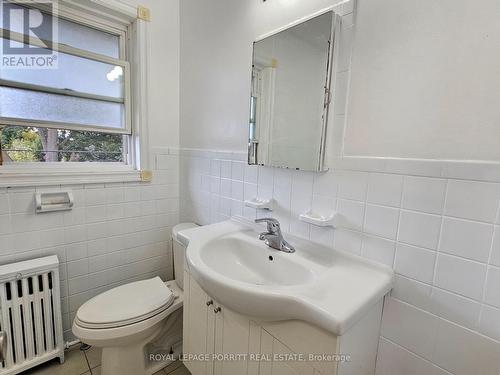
<point x="43" y="175"/>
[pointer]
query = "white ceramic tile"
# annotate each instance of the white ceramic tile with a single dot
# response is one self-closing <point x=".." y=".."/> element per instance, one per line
<point x="23" y="241"/>
<point x="249" y="191"/>
<point x="78" y="268"/>
<point x="395" y="360"/>
<point x="266" y="176"/>
<point x="350" y="214"/>
<point x="237" y="190"/>
<point x="325" y="184"/>
<point x="490" y="322"/>
<point x="378" y="249"/>
<point x="205" y="182"/>
<point x="347" y="240"/>
<point x="225" y="168"/>
<point x="412" y="329"/>
<point x="76" y="233"/>
<point x="215" y="167"/>
<point x="415" y="262"/>
<point x="251" y="174"/>
<point x="51" y="238"/>
<point x="237" y="170"/>
<point x="76" y="251"/>
<point x="381" y="220"/>
<point x="282" y="198"/>
<point x="472" y="200"/>
<point x="236" y="208"/>
<point x="282" y="177"/>
<point x="413" y="292"/>
<point x="468" y="239"/>
<point x="323" y="205"/>
<point x="300" y="229"/>
<point x="22" y="202"/>
<point x="4" y="204"/>
<point x="419" y="229"/>
<point x="5" y="224"/>
<point x="495" y="252"/>
<point x="385" y="189"/>
<point x="492" y="291"/>
<point x="116" y="211"/>
<point x="265" y="191"/>
<point x="301" y="192"/>
<point x="409" y="327"/>
<point x="225" y="206"/>
<point x="131" y="194"/>
<point x="460" y="275"/>
<point x="458" y="309"/>
<point x="114" y="195"/>
<point x="74" y="217"/>
<point x="225" y="187"/>
<point x="424" y="194"/>
<point x="463" y="352"/>
<point x="352" y="185"/>
<point x="322" y="235"/>
<point x="95" y="196"/>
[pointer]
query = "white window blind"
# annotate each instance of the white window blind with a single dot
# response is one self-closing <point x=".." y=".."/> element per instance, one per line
<point x="88" y="91"/>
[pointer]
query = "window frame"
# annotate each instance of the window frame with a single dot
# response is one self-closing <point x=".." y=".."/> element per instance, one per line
<point x="119" y="19"/>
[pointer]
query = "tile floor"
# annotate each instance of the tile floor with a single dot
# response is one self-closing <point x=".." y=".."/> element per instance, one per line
<point x="78" y="362"/>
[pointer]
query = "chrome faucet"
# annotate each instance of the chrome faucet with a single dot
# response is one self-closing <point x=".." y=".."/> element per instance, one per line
<point x="273" y="237"/>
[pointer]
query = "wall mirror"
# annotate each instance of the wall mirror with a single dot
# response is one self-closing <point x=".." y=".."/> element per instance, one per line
<point x="290" y="97"/>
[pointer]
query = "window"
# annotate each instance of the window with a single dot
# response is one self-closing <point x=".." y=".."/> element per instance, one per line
<point x="70" y="100"/>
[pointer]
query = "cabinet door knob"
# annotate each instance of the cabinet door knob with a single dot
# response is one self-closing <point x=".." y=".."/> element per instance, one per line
<point x="217" y="309"/>
<point x="210" y="303"/>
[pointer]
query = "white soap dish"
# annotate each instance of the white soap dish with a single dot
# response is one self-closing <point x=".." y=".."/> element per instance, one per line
<point x="319" y="220"/>
<point x="261" y="204"/>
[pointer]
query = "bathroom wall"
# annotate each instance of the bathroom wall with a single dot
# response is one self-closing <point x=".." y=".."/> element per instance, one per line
<point x="118" y="232"/>
<point x="438" y="99"/>
<point x="441" y="235"/>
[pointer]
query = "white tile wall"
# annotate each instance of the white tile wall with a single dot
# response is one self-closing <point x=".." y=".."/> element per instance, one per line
<point x="115" y="233"/>
<point x="438" y="234"/>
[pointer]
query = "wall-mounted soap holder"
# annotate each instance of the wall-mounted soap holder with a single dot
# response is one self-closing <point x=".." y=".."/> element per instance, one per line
<point x="261" y="204"/>
<point x="319" y="220"/>
<point x="53" y="201"/>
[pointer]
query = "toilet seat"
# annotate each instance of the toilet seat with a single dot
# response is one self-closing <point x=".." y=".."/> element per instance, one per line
<point x="125" y="305"/>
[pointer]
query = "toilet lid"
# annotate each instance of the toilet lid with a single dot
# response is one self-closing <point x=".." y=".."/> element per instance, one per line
<point x="126" y="304"/>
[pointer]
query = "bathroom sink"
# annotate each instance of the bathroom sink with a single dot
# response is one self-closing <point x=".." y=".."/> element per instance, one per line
<point x="328" y="288"/>
<point x="246" y="259"/>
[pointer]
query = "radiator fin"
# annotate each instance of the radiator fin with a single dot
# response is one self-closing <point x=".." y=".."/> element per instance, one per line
<point x="30" y="315"/>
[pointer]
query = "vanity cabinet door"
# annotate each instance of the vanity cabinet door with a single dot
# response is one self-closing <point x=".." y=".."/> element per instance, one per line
<point x="199" y="324"/>
<point x="278" y="359"/>
<point x="232" y="332"/>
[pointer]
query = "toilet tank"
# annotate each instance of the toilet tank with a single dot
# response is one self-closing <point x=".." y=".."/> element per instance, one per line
<point x="179" y="251"/>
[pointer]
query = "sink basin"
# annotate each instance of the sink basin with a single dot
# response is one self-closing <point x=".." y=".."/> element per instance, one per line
<point x="325" y="287"/>
<point x="248" y="260"/>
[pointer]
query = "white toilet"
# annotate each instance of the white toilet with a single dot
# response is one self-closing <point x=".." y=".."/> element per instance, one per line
<point x="124" y="320"/>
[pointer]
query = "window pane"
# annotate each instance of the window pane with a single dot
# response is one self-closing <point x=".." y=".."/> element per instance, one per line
<point x="73" y="73"/>
<point x="32" y="105"/>
<point x="70" y="33"/>
<point x="30" y="144"/>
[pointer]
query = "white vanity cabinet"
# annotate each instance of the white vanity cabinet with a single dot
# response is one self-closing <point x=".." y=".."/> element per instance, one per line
<point x="214" y="333"/>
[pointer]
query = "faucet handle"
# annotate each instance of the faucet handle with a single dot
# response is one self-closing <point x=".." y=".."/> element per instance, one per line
<point x="273" y="225"/>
